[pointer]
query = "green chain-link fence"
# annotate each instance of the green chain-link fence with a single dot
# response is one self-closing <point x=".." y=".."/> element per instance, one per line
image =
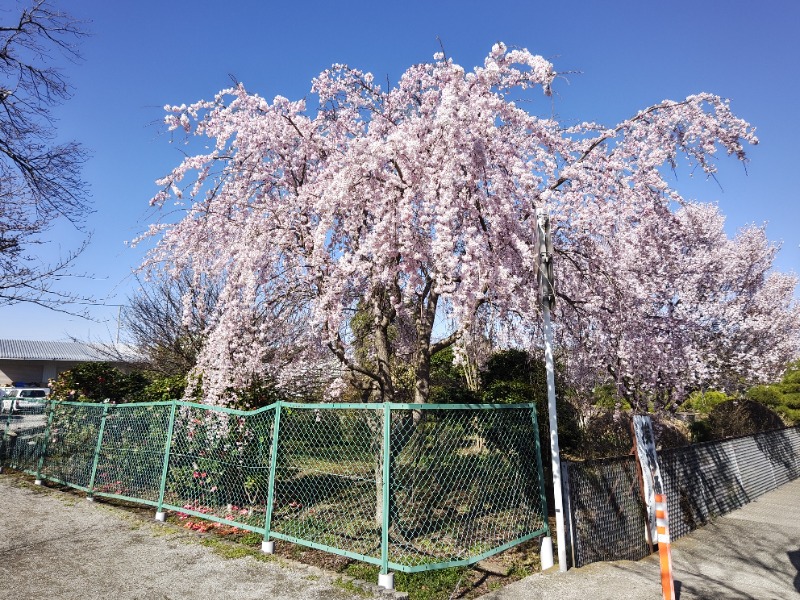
<point x="404" y="486"/>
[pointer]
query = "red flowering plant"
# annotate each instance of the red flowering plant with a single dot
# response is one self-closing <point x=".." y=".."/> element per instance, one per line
<point x="201" y="525"/>
<point x="211" y="464"/>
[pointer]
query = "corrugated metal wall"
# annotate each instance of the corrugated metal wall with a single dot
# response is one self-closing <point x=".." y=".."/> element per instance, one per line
<point x="605" y="512"/>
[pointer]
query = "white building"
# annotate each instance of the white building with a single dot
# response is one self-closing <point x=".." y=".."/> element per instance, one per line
<point x="34" y="363"/>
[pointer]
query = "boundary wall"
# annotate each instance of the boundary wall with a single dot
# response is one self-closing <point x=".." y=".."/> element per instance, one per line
<point x="606" y="515"/>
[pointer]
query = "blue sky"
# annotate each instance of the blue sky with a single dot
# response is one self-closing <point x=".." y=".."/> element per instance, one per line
<point x="624" y="56"/>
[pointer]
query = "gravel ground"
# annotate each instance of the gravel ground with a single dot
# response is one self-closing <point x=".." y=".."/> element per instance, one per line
<point x="59" y="546"/>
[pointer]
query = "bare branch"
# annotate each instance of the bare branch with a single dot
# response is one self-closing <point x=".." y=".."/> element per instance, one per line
<point x="40" y="181"/>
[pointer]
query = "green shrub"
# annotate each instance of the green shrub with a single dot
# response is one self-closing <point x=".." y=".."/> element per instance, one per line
<point x="703" y="402"/>
<point x="98" y="381"/>
<point x="741" y="417"/>
<point x="791" y="400"/>
<point x="448" y="384"/>
<point x="766" y="394"/>
<point x="512" y="377"/>
<point x="605" y="396"/>
<point x="784" y="396"/>
<point x="788" y="414"/>
<point x="165" y="388"/>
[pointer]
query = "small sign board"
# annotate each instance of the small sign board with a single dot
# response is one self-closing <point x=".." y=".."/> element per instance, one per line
<point x="645" y="445"/>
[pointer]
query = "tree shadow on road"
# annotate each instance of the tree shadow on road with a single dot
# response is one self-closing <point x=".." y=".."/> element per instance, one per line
<point x="794" y="558"/>
<point x="711" y="560"/>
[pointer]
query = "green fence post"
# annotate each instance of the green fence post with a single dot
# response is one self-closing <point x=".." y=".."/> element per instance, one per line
<point x="46" y="442"/>
<point x="386" y="579"/>
<point x="10" y="407"/>
<point x="162" y="486"/>
<point x="547" y="541"/>
<point x="97" y="452"/>
<point x="267" y="545"/>
<point x="5" y="441"/>
<point x="540" y="469"/>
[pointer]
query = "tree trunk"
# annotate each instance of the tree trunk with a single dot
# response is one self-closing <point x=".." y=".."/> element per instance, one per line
<point x="383" y="355"/>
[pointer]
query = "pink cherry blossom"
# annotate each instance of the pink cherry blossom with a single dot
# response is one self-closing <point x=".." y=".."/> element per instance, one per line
<point x="414" y="207"/>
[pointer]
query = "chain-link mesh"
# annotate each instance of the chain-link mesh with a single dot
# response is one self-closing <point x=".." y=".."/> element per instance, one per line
<point x="407" y="486"/>
<point x="701" y="481"/>
<point x="463" y="482"/>
<point x="607" y="514"/>
<point x="219" y="464"/>
<point x="24" y="426"/>
<point x="328" y="478"/>
<point x="131" y="455"/>
<point x="72" y="442"/>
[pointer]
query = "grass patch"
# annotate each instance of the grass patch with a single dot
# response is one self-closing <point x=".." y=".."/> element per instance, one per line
<point x="251" y="539"/>
<point x="164" y="531"/>
<point x="432" y="585"/>
<point x="36" y="489"/>
<point x="232" y="550"/>
<point x="261" y="557"/>
<point x="365" y="572"/>
<point x="440" y="584"/>
<point x="225" y="550"/>
<point x="520" y="571"/>
<point x="349" y="586"/>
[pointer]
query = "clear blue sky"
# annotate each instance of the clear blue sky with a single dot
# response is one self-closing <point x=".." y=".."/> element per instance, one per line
<point x="144" y="54"/>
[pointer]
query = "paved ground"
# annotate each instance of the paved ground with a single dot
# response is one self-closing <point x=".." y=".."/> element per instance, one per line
<point x="753" y="552"/>
<point x="59" y="546"/>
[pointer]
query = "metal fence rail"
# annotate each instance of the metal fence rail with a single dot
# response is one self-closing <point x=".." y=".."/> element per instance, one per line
<point x="606" y="514"/>
<point x="406" y="487"/>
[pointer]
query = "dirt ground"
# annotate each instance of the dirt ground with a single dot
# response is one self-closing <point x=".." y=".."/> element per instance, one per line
<point x="57" y="545"/>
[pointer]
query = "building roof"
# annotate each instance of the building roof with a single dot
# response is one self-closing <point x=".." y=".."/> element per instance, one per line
<point x="65" y="351"/>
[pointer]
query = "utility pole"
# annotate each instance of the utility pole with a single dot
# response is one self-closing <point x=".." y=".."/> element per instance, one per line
<point x="548" y="299"/>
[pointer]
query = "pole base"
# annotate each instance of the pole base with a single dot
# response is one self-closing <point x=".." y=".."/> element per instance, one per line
<point x="268" y="547"/>
<point x="386" y="580"/>
<point x="90" y="498"/>
<point x="161" y="516"/>
<point x="546" y="555"/>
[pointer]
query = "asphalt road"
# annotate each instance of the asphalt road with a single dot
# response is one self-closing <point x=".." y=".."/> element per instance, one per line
<point x="751" y="553"/>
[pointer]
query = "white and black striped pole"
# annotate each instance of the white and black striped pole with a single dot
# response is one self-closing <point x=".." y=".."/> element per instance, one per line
<point x="547" y="296"/>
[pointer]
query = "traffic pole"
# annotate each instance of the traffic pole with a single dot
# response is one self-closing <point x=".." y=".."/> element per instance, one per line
<point x="664" y="549"/>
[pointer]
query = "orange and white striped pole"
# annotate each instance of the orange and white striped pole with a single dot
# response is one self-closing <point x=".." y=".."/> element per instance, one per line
<point x="664" y="551"/>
